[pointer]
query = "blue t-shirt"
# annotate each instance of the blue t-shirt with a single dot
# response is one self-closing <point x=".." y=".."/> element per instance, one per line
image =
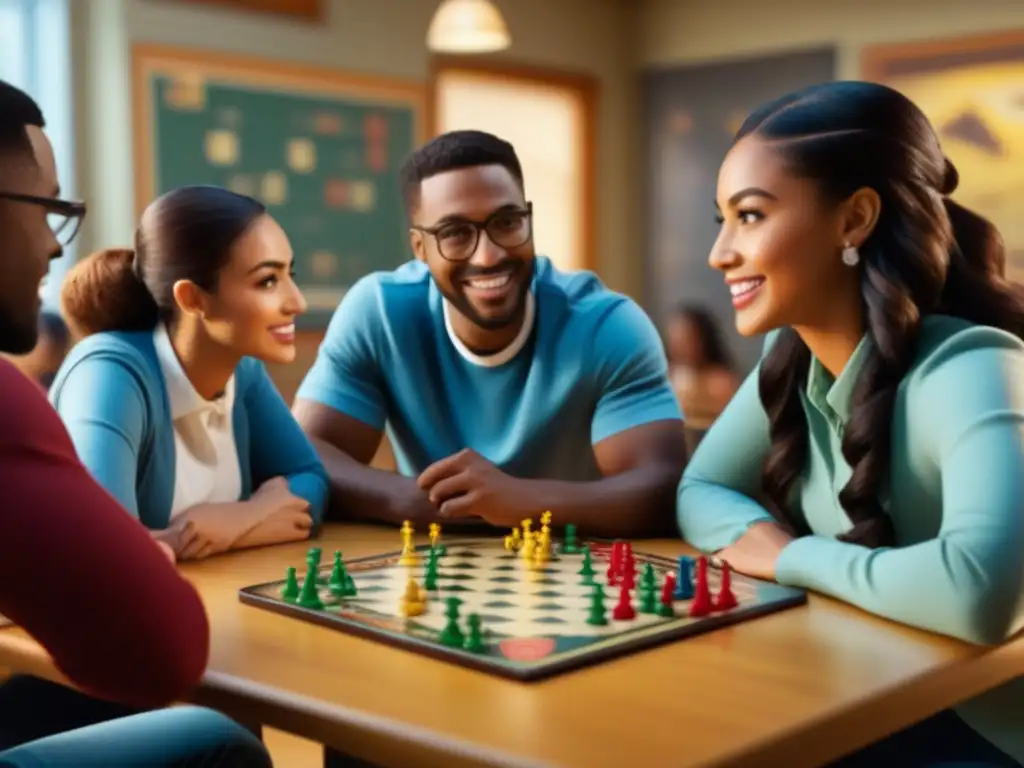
<point x="593" y="366"/>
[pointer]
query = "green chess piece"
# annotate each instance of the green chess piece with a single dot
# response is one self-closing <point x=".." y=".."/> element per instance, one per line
<point x="313" y="556"/>
<point x="313" y="561"/>
<point x="340" y="582"/>
<point x="309" y="597"/>
<point x="475" y="640"/>
<point x="665" y="610"/>
<point x="570" y="546"/>
<point x="337" y="579"/>
<point x="290" y="590"/>
<point x="648" y="581"/>
<point x="587" y="570"/>
<point x="451" y="635"/>
<point x="648" y="600"/>
<point x="430" y="577"/>
<point x="597" y="616"/>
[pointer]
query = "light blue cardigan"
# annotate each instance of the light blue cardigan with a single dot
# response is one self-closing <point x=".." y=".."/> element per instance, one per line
<point x="112" y="397"/>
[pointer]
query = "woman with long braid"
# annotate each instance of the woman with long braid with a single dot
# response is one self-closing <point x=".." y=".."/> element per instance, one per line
<point x="877" y="452"/>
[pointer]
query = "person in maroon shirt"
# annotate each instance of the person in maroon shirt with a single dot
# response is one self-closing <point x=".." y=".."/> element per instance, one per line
<point x="76" y="572"/>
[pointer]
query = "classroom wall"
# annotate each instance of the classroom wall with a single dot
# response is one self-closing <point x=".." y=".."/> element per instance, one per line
<point x="676" y="32"/>
<point x="378" y="37"/>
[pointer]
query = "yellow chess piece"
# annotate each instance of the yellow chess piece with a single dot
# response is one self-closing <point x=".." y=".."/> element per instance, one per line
<point x="413" y="601"/>
<point x="545" y="518"/>
<point x="529" y="547"/>
<point x="407" y="530"/>
<point x="516" y="538"/>
<point x="544" y="543"/>
<point x="527" y="525"/>
<point x="540" y="557"/>
<point x="435" y="534"/>
<point x="510" y="543"/>
<point x="408" y="556"/>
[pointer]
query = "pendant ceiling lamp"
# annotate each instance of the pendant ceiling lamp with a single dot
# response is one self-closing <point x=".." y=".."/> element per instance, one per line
<point x="468" y="26"/>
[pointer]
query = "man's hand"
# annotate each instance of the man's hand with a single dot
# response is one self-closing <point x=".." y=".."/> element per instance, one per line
<point x="757" y="550"/>
<point x="467" y="485"/>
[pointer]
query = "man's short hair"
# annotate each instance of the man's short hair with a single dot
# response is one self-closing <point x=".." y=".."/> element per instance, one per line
<point x="18" y="110"/>
<point x="451" y="151"/>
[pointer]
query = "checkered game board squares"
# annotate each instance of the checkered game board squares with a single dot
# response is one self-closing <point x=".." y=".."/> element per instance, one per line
<point x="512" y="598"/>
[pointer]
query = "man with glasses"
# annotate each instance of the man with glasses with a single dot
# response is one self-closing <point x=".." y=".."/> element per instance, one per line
<point x="507" y="387"/>
<point x="76" y="572"/>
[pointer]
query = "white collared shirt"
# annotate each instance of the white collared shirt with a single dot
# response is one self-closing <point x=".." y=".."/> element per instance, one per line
<point x="501" y="356"/>
<point x="206" y="458"/>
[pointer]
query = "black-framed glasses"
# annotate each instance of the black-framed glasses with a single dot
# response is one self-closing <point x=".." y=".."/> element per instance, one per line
<point x="64" y="216"/>
<point x="508" y="227"/>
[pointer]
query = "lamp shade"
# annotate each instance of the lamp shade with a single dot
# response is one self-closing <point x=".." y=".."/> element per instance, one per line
<point x="468" y="26"/>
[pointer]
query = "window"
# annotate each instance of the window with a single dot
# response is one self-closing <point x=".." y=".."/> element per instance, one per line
<point x="548" y="118"/>
<point x="35" y="56"/>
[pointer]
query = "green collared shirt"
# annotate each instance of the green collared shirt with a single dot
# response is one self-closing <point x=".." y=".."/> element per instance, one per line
<point x="955" y="490"/>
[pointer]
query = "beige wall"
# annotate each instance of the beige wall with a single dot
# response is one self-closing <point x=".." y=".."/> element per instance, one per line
<point x="381" y="37"/>
<point x="678" y="31"/>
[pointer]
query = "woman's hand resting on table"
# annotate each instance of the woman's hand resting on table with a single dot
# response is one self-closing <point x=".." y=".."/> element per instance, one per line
<point x="756" y="551"/>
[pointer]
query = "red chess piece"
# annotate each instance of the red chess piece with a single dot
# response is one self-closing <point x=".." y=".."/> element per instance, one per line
<point x="701" y="604"/>
<point x="668" y="588"/>
<point x="624" y="610"/>
<point x="615" y="564"/>
<point x="628" y="571"/>
<point x="726" y="600"/>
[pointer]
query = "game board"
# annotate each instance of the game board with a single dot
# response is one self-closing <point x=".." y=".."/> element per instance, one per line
<point x="533" y="619"/>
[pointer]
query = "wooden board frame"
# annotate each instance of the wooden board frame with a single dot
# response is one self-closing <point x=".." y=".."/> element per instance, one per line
<point x="148" y="59"/>
<point x="614" y="646"/>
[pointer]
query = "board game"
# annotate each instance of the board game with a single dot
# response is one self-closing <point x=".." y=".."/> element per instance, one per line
<point x="526" y="608"/>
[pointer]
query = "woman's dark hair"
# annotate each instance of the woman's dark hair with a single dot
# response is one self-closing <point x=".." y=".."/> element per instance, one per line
<point x="710" y="333"/>
<point x="185" y="234"/>
<point x="926" y="255"/>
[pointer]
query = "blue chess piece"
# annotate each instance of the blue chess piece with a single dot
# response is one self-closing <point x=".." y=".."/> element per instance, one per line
<point x="684" y="579"/>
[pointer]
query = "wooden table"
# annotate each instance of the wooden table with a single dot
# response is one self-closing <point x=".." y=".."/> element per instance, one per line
<point x="796" y="688"/>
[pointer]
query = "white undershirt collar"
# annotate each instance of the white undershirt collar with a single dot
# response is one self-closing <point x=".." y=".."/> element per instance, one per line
<point x="502" y="356"/>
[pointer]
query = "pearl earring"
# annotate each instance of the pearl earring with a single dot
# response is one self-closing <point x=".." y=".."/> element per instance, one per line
<point x="850" y="256"/>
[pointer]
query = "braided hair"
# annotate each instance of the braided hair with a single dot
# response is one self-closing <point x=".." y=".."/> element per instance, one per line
<point x="926" y="254"/>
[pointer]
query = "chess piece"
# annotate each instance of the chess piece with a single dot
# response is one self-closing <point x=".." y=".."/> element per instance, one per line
<point x="597" y="616"/>
<point x="290" y="590"/>
<point x="309" y="597"/>
<point x="451" y="635"/>
<point x="413" y="602"/>
<point x="569" y="544"/>
<point x="587" y="570"/>
<point x="475" y="638"/>
<point x="726" y="600"/>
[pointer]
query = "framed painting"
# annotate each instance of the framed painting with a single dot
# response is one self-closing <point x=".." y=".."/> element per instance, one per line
<point x="972" y="89"/>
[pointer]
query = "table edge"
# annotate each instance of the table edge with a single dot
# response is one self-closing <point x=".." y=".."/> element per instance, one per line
<point x="339" y="726"/>
<point x="879" y="716"/>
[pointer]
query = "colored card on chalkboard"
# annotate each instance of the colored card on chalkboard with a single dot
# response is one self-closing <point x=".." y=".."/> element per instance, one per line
<point x="321" y="149"/>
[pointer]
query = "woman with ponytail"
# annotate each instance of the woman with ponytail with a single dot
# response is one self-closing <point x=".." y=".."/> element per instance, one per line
<point x="165" y="396"/>
<point x="876" y="454"/>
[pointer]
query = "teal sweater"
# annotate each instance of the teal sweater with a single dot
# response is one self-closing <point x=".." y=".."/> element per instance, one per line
<point x="955" y="494"/>
<point x="111" y="394"/>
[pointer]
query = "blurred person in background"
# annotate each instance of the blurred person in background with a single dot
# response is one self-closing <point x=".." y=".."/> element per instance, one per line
<point x="42" y="363"/>
<point x="700" y="368"/>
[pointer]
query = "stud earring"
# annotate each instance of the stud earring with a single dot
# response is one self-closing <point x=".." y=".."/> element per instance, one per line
<point x="850" y="256"/>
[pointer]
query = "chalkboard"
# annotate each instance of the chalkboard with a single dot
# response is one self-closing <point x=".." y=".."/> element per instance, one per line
<point x="321" y="150"/>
